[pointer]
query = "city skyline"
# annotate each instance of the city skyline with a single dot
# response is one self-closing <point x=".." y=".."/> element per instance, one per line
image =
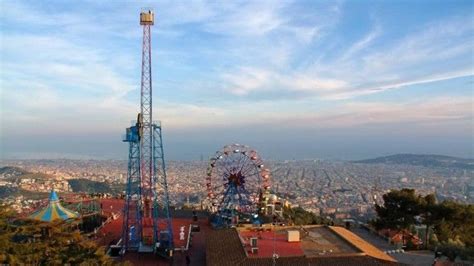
<point x="342" y="80"/>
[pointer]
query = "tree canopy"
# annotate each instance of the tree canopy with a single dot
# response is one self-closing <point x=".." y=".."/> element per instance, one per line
<point x="399" y="210"/>
<point x="300" y="216"/>
<point x="452" y="223"/>
<point x="39" y="243"/>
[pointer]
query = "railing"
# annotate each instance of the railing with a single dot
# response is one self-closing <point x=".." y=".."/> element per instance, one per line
<point x="189" y="236"/>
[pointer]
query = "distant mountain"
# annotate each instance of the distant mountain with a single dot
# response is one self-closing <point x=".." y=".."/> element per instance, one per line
<point x="8" y="191"/>
<point x="14" y="174"/>
<point x="89" y="186"/>
<point x="15" y="191"/>
<point x="10" y="171"/>
<point x="427" y="160"/>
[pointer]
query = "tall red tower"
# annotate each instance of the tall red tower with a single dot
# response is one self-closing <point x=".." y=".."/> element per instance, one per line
<point x="147" y="199"/>
<point x="146" y="140"/>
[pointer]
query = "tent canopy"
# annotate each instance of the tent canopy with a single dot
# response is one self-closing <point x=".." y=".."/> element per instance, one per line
<point x="53" y="211"/>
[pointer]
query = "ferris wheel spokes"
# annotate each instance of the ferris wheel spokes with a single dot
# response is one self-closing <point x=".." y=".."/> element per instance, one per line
<point x="236" y="180"/>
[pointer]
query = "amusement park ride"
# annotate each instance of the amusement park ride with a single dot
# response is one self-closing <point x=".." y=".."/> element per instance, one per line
<point x="147" y="200"/>
<point x="237" y="181"/>
<point x="238" y="186"/>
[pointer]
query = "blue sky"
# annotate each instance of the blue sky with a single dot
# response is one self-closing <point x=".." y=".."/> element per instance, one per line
<point x="294" y="79"/>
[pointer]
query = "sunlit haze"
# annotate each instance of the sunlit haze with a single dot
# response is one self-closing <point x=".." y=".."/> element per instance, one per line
<point x="295" y="80"/>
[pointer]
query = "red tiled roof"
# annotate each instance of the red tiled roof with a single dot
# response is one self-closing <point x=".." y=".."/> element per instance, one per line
<point x="397" y="236"/>
<point x="270" y="242"/>
<point x="224" y="247"/>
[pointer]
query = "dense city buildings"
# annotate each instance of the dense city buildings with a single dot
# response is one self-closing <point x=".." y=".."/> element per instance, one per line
<point x="336" y="189"/>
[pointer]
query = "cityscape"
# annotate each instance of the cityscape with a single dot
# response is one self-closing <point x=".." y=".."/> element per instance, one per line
<point x="331" y="188"/>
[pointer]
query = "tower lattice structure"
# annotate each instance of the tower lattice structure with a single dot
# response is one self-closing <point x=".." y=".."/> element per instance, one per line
<point x="147" y="199"/>
<point x="146" y="108"/>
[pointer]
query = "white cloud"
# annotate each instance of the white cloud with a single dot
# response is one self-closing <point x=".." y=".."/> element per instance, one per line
<point x="63" y="81"/>
<point x="310" y="84"/>
<point x="445" y="40"/>
<point x="437" y="111"/>
<point x="247" y="80"/>
<point x="436" y="52"/>
<point x="59" y="61"/>
<point x="362" y="44"/>
<point x="255" y="18"/>
<point x="440" y="113"/>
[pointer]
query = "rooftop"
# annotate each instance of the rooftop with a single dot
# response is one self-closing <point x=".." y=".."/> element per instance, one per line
<point x="111" y="232"/>
<point x="318" y="245"/>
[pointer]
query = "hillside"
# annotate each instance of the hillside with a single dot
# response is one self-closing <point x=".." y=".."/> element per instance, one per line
<point x="14" y="174"/>
<point x="423" y="160"/>
<point x="9" y="171"/>
<point x="85" y="185"/>
<point x="14" y="191"/>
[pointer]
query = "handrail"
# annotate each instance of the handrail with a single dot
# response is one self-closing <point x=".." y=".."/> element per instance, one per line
<point x="189" y="236"/>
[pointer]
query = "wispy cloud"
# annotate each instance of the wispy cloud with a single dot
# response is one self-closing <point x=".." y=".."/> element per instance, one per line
<point x="362" y="44"/>
<point x="433" y="53"/>
<point x="241" y="19"/>
<point x="248" y="80"/>
<point x="76" y="68"/>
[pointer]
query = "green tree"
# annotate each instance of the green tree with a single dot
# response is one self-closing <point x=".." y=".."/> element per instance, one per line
<point x="431" y="214"/>
<point x="300" y="216"/>
<point x="399" y="210"/>
<point x="452" y="248"/>
<point x="39" y="243"/>
<point x="455" y="220"/>
<point x="450" y="223"/>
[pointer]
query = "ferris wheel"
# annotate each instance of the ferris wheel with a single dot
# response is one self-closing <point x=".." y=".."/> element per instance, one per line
<point x="236" y="182"/>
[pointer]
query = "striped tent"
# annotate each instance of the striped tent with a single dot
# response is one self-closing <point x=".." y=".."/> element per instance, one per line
<point x="53" y="211"/>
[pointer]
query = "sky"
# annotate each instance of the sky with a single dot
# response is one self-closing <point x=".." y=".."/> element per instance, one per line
<point x="292" y="79"/>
